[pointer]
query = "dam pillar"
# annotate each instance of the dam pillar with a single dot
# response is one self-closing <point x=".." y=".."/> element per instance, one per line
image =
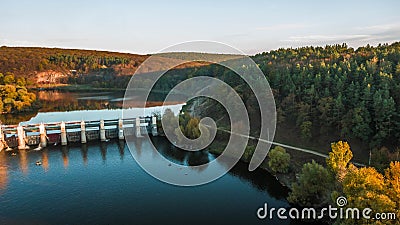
<point x="154" y="126"/>
<point x="83" y="132"/>
<point x="63" y="134"/>
<point x="43" y="136"/>
<point x="120" y="129"/>
<point x="137" y="126"/>
<point x="102" y="131"/>
<point x="21" y="138"/>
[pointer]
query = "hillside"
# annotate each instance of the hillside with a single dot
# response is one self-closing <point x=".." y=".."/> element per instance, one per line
<point x="325" y="94"/>
<point x="55" y="65"/>
<point x="52" y="64"/>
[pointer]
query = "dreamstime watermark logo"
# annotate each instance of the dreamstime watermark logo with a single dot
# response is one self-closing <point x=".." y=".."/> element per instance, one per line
<point x="143" y="81"/>
<point x="330" y="212"/>
<point x="341" y="201"/>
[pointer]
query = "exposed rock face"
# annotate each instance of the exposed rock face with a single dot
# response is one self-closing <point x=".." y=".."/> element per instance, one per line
<point x="49" y="77"/>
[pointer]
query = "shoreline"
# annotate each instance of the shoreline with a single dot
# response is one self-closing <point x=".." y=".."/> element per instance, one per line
<point x="284" y="179"/>
<point x="88" y="88"/>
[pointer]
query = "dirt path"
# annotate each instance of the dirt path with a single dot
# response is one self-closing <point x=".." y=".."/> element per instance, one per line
<point x="285" y="145"/>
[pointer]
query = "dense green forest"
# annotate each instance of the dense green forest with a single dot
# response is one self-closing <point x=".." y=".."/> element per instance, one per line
<point x="354" y="91"/>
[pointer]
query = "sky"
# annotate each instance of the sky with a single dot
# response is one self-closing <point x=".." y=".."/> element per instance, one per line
<point x="146" y="27"/>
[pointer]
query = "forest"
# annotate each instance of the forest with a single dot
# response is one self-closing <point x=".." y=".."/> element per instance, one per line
<point x="323" y="91"/>
<point x="353" y="91"/>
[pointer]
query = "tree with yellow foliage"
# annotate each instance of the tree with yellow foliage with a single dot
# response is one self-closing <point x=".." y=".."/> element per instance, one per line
<point x="339" y="158"/>
<point x="392" y="176"/>
<point x="366" y="188"/>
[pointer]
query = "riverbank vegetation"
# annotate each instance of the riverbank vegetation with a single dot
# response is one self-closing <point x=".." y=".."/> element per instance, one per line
<point x="188" y="125"/>
<point x="363" y="187"/>
<point x="278" y="160"/>
<point x="14" y="96"/>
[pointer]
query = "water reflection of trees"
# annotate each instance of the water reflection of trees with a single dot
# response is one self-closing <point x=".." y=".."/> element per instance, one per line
<point x="17" y="117"/>
<point x="53" y="101"/>
<point x="68" y="101"/>
<point x="260" y="179"/>
<point x="180" y="156"/>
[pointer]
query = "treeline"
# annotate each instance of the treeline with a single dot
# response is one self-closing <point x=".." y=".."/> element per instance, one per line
<point x="103" y="80"/>
<point x="14" y="96"/>
<point x="83" y="63"/>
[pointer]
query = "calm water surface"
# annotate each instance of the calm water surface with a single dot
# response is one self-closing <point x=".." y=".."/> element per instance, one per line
<point x="100" y="183"/>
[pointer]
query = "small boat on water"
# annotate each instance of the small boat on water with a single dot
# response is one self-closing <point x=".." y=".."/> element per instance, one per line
<point x="13" y="154"/>
<point x="38" y="163"/>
